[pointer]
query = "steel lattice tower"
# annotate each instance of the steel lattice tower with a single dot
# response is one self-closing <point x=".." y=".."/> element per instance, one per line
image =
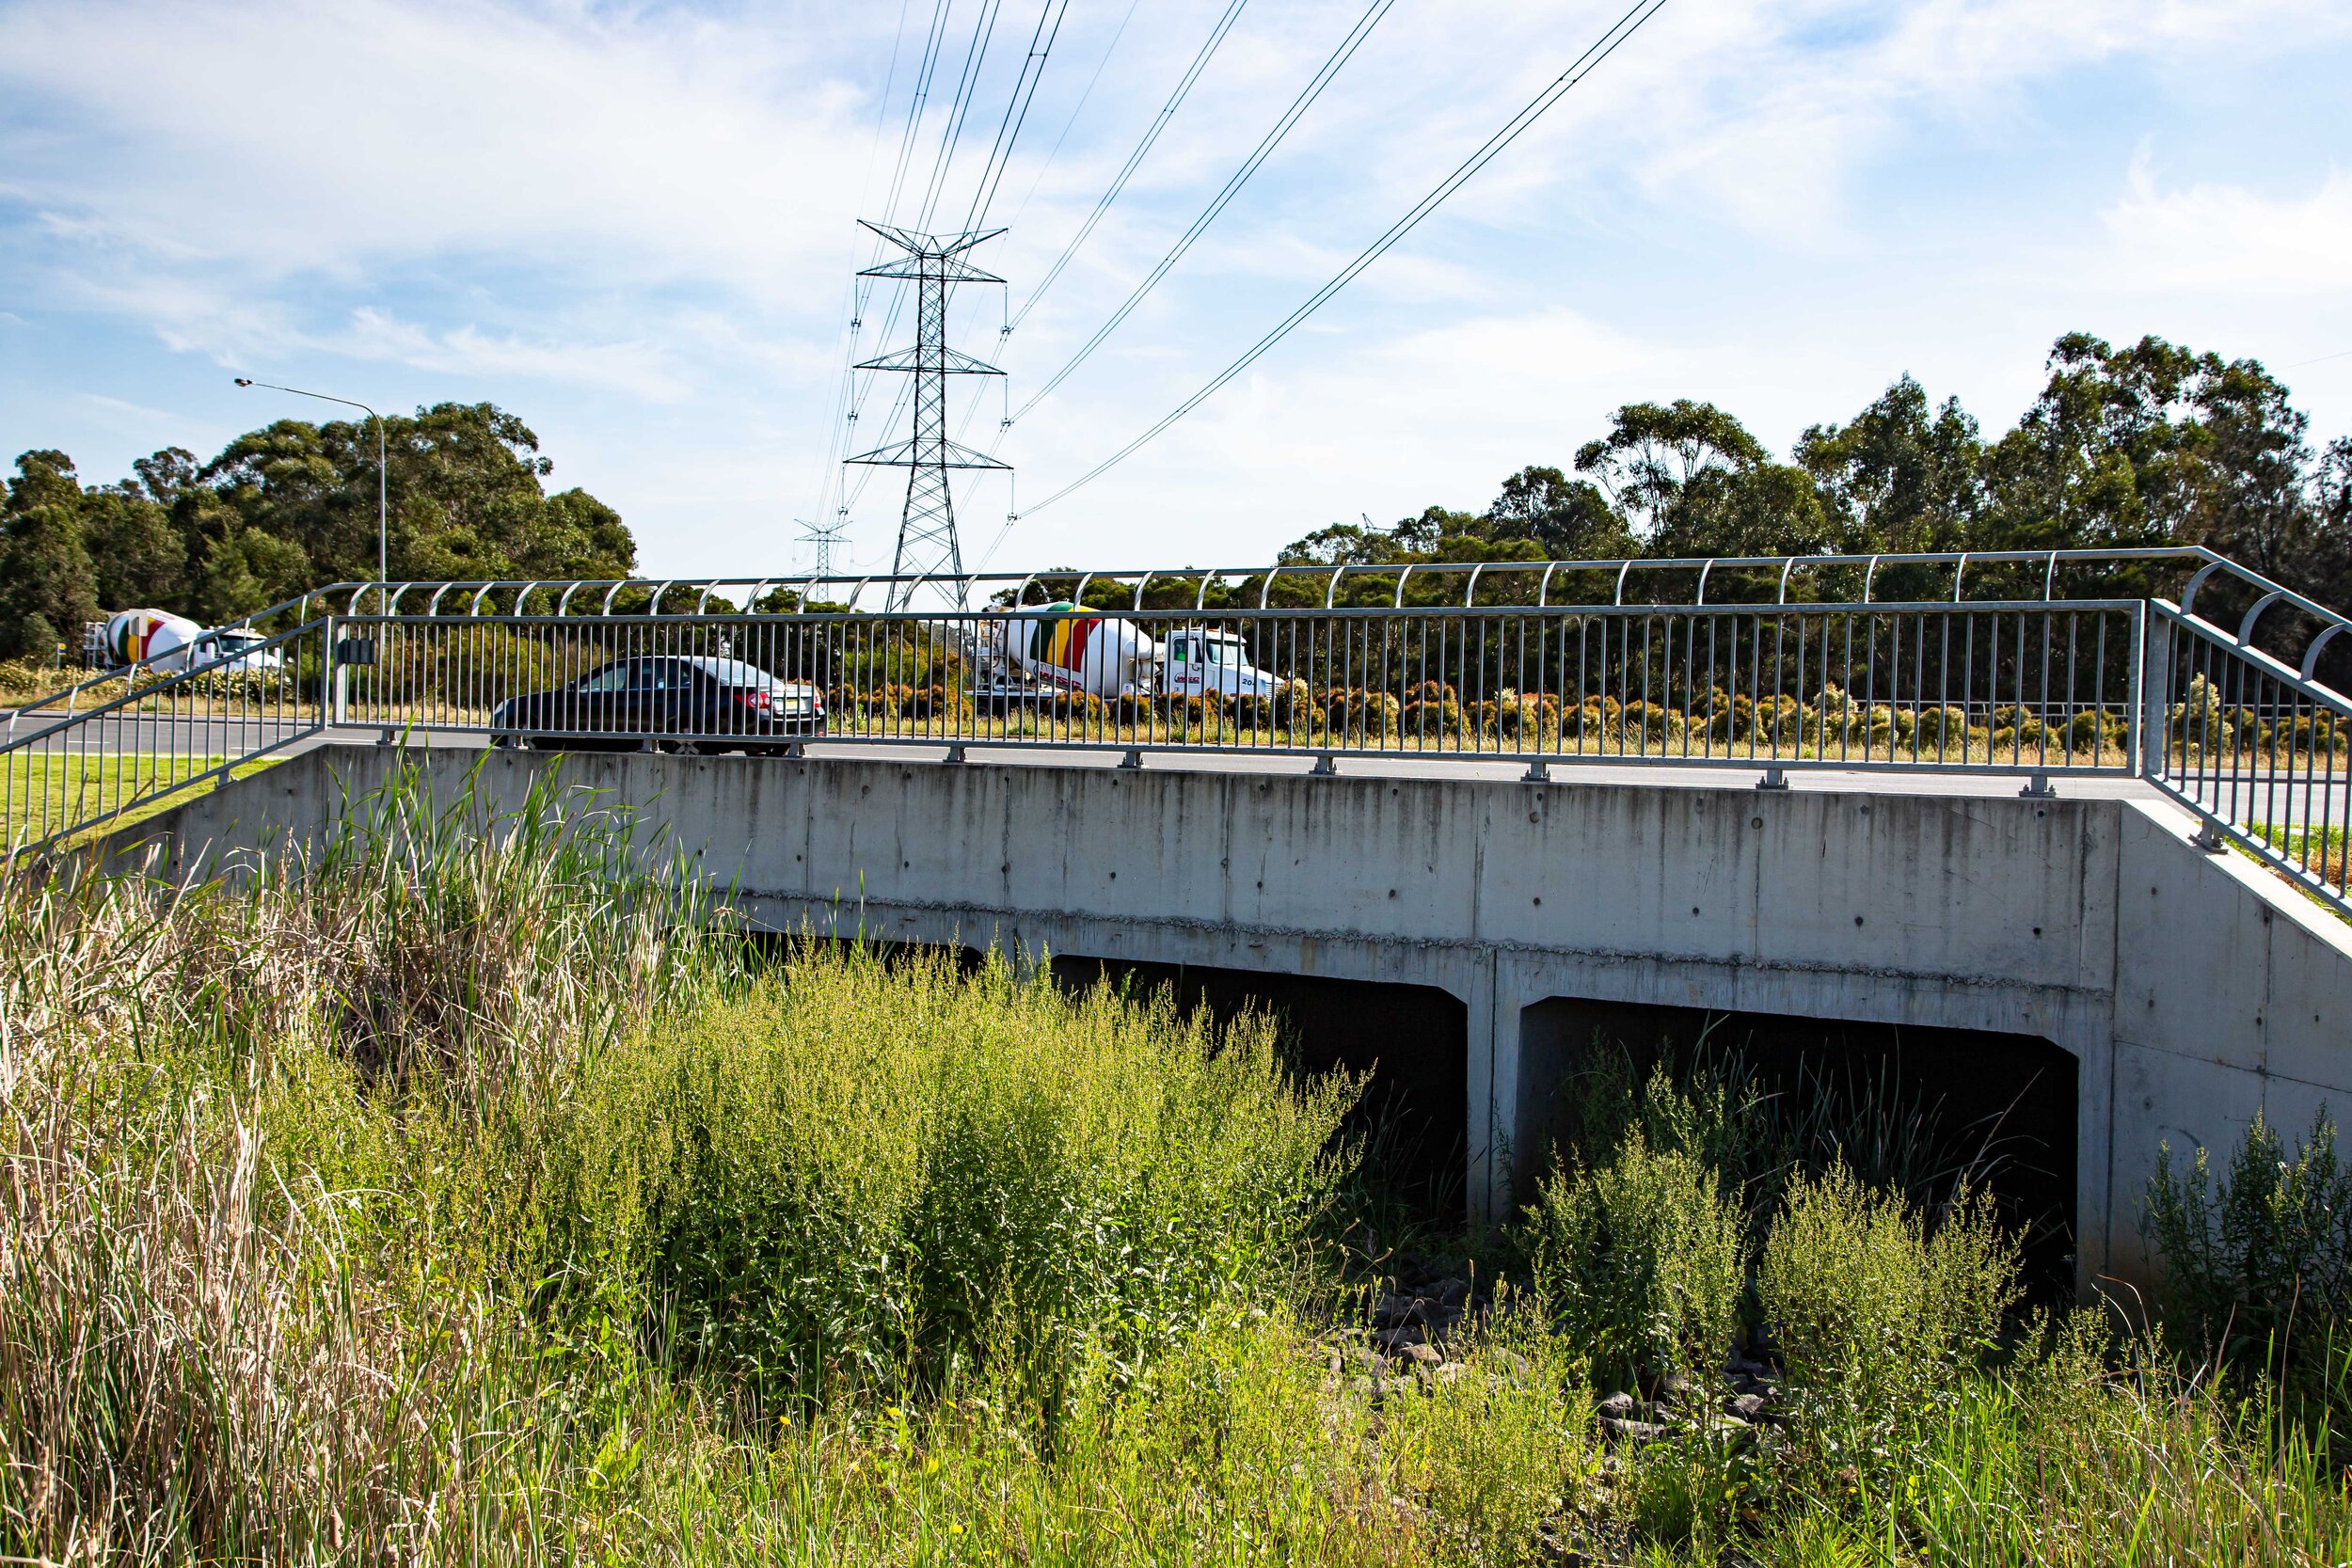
<point x="927" y="528"/>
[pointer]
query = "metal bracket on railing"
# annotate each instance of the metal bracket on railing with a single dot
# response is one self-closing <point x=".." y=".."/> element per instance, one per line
<point x="2039" y="788"/>
<point x="1543" y="589"/>
<point x="1332" y="587"/>
<point x="2049" y="579"/>
<point x="1869" y="575"/>
<point x="1960" y="570"/>
<point x="1402" y="578"/>
<point x="1537" y="773"/>
<point x="1618" y="597"/>
<point x="2208" y="838"/>
<point x="2311" y="655"/>
<point x="1134" y="758"/>
<point x="1326" y="766"/>
<point x="2246" y="626"/>
<point x="1701" y="596"/>
<point x="1141" y="583"/>
<point x="2196" y="580"/>
<point x="1785" y="567"/>
<point x="1773" y="778"/>
<point x="955" y="753"/>
<point x="796" y="752"/>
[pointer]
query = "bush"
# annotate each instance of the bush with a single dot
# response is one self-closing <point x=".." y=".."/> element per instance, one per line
<point x="1430" y="719"/>
<point x="884" y="1177"/>
<point x="1873" y="1315"/>
<point x="1641" y="1262"/>
<point x="1941" y="731"/>
<point x="2257" y="1268"/>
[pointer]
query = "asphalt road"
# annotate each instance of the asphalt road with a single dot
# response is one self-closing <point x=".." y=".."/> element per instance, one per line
<point x="2284" y="798"/>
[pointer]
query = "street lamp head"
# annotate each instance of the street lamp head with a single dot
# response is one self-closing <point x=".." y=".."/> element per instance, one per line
<point x="244" y="381"/>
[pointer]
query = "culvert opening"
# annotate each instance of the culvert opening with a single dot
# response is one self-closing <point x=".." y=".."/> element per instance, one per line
<point x="1912" y="1107"/>
<point x="1412" y="1041"/>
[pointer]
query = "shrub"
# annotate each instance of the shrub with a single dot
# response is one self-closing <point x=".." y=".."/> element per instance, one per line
<point x="2257" y="1267"/>
<point x="2199" y="721"/>
<point x="1493" y="1449"/>
<point x="1873" y="1315"/>
<point x="1641" y="1262"/>
<point x="1430" y="719"/>
<point x="1942" y="730"/>
<point x="879" y="1176"/>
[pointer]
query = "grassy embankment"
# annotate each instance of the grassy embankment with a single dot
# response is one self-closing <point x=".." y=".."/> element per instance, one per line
<point x="453" y="1203"/>
<point x="40" y="795"/>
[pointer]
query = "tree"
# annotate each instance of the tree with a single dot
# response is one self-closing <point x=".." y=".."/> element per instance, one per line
<point x="46" y="587"/>
<point x="1570" y="519"/>
<point x="2100" y="460"/>
<point x="1654" y="452"/>
<point x="1896" y="478"/>
<point x="138" y="555"/>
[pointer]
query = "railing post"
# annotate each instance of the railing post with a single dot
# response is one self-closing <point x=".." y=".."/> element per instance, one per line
<point x="2152" y="742"/>
<point x="330" y="677"/>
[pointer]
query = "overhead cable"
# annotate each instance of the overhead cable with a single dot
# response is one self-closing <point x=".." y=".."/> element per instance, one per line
<point x="1067" y="125"/>
<point x="1265" y="148"/>
<point x="1016" y="112"/>
<point x="1126" y="171"/>
<point x="1624" y="28"/>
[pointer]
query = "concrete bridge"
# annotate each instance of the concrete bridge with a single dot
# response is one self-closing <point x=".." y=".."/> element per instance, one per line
<point x="2151" y="990"/>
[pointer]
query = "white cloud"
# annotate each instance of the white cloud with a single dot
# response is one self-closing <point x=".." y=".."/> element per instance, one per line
<point x="633" y="225"/>
<point x="2223" y="237"/>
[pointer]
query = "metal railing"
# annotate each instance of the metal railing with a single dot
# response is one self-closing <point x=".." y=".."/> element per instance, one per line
<point x="120" y="745"/>
<point x="2069" y="663"/>
<point x="2025" y="687"/>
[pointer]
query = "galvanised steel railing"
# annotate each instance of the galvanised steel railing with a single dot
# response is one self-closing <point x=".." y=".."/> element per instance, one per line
<point x="119" y="746"/>
<point x="1986" y="686"/>
<point x="2064" y="663"/>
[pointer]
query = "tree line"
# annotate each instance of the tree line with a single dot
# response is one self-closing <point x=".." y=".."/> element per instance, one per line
<point x="289" y="507"/>
<point x="2145" y="444"/>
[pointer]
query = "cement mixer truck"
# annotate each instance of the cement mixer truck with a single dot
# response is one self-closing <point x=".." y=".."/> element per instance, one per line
<point x="1069" y="647"/>
<point x="164" y="643"/>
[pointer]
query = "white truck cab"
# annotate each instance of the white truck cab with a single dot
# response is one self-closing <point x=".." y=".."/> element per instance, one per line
<point x="1201" y="662"/>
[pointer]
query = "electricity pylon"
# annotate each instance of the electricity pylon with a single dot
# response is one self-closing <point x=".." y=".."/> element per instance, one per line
<point x="927" y="528"/>
<point x="826" y="537"/>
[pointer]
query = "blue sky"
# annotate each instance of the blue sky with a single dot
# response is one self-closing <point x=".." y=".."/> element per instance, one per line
<point x="634" y="226"/>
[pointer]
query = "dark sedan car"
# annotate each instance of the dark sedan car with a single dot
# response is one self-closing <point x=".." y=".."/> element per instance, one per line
<point x="669" y="703"/>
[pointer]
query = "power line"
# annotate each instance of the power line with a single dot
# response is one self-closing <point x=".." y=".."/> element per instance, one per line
<point x="1016" y="111"/>
<point x="1126" y="171"/>
<point x="1273" y="138"/>
<point x="1625" y="27"/>
<point x="1067" y="125"/>
<point x="982" y="32"/>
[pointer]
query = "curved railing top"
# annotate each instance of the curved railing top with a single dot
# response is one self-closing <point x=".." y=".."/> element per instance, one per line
<point x="1507" y="584"/>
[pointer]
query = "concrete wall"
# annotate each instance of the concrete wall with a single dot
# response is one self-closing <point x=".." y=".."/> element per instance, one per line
<point x="2191" y="989"/>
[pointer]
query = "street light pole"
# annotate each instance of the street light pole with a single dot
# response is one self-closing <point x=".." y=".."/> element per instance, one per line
<point x="383" y="531"/>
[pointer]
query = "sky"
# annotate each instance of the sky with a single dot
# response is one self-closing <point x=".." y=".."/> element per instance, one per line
<point x="636" y="226"/>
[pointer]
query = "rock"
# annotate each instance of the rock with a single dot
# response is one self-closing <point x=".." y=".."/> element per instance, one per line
<point x="1451" y="1294"/>
<point x="1451" y="1371"/>
<point x="1425" y="1356"/>
<point x="1677" y="1388"/>
<point x="1748" y="1407"/>
<point x="1632" y="1432"/>
<point x="1395" y="1339"/>
<point x="1617" y="1407"/>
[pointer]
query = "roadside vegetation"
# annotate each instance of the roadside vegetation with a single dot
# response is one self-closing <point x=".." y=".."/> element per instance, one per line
<point x="467" y="1194"/>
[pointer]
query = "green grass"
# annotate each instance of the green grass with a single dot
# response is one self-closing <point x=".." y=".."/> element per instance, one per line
<point x="40" y="795"/>
<point x="468" y="1194"/>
